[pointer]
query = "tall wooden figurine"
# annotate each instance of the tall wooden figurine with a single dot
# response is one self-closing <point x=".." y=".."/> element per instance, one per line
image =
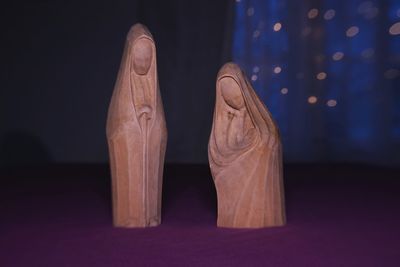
<point x="245" y="156"/>
<point x="137" y="134"/>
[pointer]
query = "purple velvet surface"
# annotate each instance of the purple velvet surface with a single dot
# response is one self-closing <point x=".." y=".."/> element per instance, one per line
<point x="337" y="216"/>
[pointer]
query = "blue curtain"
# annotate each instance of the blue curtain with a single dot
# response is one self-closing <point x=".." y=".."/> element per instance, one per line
<point x="329" y="72"/>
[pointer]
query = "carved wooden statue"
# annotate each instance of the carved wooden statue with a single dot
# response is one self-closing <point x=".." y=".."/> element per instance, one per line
<point x="137" y="134"/>
<point x="245" y="155"/>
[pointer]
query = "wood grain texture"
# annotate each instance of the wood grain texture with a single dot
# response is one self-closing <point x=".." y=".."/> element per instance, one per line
<point x="245" y="155"/>
<point x="137" y="134"/>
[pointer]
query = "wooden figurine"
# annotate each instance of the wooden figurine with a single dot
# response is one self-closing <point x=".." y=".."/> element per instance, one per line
<point x="137" y="135"/>
<point x="245" y="155"/>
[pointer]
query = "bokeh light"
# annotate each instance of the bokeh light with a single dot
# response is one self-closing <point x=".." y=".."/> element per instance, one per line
<point x="313" y="13"/>
<point x="352" y="31"/>
<point x="395" y="29"/>
<point x="277" y="70"/>
<point x="277" y="26"/>
<point x="312" y="99"/>
<point x="338" y="56"/>
<point x="321" y="76"/>
<point x="343" y="57"/>
<point x="329" y="14"/>
<point x="331" y="103"/>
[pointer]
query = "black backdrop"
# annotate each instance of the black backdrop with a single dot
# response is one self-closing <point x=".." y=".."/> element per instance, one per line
<point x="59" y="64"/>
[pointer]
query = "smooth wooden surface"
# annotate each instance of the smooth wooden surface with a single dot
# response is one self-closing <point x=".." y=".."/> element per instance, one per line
<point x="245" y="156"/>
<point x="137" y="135"/>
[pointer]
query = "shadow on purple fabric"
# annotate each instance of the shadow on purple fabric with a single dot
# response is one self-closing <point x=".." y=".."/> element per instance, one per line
<point x="338" y="215"/>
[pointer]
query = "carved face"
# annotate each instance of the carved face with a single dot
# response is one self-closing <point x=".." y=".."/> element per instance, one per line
<point x="231" y="93"/>
<point x="142" y="55"/>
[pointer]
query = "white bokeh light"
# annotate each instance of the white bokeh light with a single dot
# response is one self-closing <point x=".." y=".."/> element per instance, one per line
<point x="338" y="56"/>
<point x="329" y="14"/>
<point x="395" y="29"/>
<point x="331" y="103"/>
<point x="312" y="99"/>
<point x="312" y="13"/>
<point x="284" y="91"/>
<point x="277" y="70"/>
<point x="321" y="76"/>
<point x="277" y="26"/>
<point x="352" y="31"/>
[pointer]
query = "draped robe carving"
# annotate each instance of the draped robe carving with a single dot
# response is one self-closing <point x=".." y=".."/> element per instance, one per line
<point x="137" y="134"/>
<point x="245" y="155"/>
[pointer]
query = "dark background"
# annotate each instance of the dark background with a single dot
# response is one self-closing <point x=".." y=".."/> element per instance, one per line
<point x="59" y="61"/>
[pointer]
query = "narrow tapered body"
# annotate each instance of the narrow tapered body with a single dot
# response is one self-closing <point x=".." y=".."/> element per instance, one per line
<point x="137" y="134"/>
<point x="245" y="155"/>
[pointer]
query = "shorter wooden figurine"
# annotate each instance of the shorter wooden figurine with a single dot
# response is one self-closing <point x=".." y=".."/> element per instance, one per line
<point x="137" y="135"/>
<point x="245" y="155"/>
